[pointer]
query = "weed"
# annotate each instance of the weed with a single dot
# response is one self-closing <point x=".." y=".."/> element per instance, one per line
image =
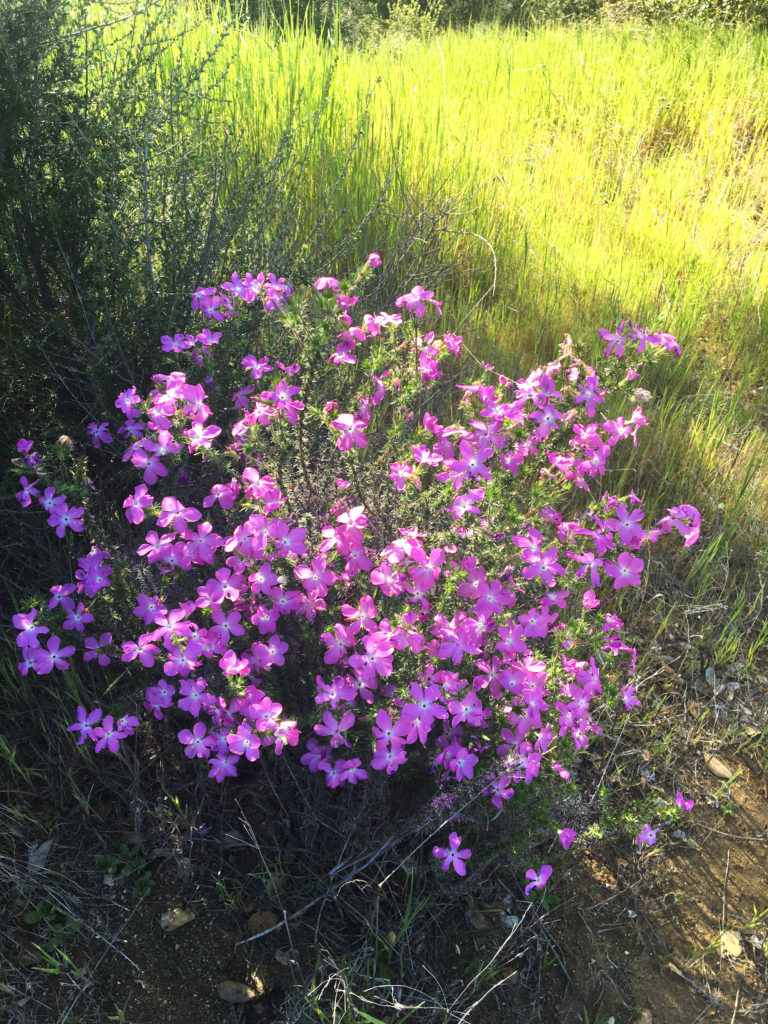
<point x="55" y="922"/>
<point x="127" y="862"/>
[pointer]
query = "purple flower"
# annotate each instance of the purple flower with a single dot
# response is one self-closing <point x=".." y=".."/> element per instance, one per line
<point x="538" y="880"/>
<point x="86" y="720"/>
<point x="566" y="837"/>
<point x="77" y="618"/>
<point x="95" y="649"/>
<point x="683" y="803"/>
<point x="414" y="301"/>
<point x="28" y="631"/>
<point x="197" y="744"/>
<point x="452" y="855"/>
<point x="126" y="400"/>
<point x="144" y="650"/>
<point x="374" y="260"/>
<point x="626" y="572"/>
<point x="647" y="836"/>
<point x="629" y="697"/>
<point x="126" y="724"/>
<point x="53" y="657"/>
<point x="326" y="282"/>
<point x="159" y="697"/>
<point x="108" y="735"/>
<point x="51" y="500"/>
<point x="27" y="493"/>
<point x="62" y="517"/>
<point x="225" y="765"/>
<point x="61" y="592"/>
<point x="99" y="434"/>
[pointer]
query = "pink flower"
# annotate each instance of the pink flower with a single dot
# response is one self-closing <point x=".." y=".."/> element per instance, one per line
<point x="626" y="572"/>
<point x="99" y="434"/>
<point x="196" y="743"/>
<point x="317" y="578"/>
<point x="414" y="301"/>
<point x="225" y="765"/>
<point x="566" y="837"/>
<point x="374" y="260"/>
<point x="453" y="855"/>
<point x="647" y="836"/>
<point x="628" y="696"/>
<point x="683" y="803"/>
<point x="351" y="432"/>
<point x="198" y="436"/>
<point x="135" y="504"/>
<point x="245" y="742"/>
<point x="126" y="400"/>
<point x="144" y="650"/>
<point x="538" y="880"/>
<point x="322" y="283"/>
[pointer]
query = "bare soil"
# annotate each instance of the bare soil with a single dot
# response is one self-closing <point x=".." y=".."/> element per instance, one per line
<point x="626" y="934"/>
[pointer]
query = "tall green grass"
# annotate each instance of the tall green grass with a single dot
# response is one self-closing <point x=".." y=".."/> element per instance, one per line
<point x="588" y="173"/>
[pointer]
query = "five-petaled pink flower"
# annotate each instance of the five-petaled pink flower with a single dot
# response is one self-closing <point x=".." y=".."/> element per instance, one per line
<point x="99" y="434"/>
<point x="647" y="836"/>
<point x="452" y="855"/>
<point x="414" y="301"/>
<point x="626" y="572"/>
<point x="351" y="432"/>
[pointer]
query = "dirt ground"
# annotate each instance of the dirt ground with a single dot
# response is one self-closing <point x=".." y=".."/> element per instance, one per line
<point x="678" y="932"/>
<point x="670" y="934"/>
<point x="636" y="932"/>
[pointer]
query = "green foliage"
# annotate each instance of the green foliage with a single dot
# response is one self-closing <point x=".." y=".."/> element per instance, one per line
<point x="128" y="861"/>
<point x="53" y="921"/>
<point x="729" y="12"/>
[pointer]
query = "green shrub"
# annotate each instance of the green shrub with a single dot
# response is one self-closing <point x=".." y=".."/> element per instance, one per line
<point x="124" y="185"/>
<point x="753" y="12"/>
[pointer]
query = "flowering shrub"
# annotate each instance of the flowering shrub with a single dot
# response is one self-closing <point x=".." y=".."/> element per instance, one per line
<point x="333" y="564"/>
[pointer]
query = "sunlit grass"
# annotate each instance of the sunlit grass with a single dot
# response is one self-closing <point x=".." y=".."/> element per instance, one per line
<point x="595" y="173"/>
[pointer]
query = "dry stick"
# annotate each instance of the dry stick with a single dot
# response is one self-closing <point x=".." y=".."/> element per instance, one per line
<point x="732" y="835"/>
<point x="702" y="991"/>
<point x="723" y="915"/>
<point x="294" y="958"/>
<point x="725" y="893"/>
<point x="736" y="1002"/>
